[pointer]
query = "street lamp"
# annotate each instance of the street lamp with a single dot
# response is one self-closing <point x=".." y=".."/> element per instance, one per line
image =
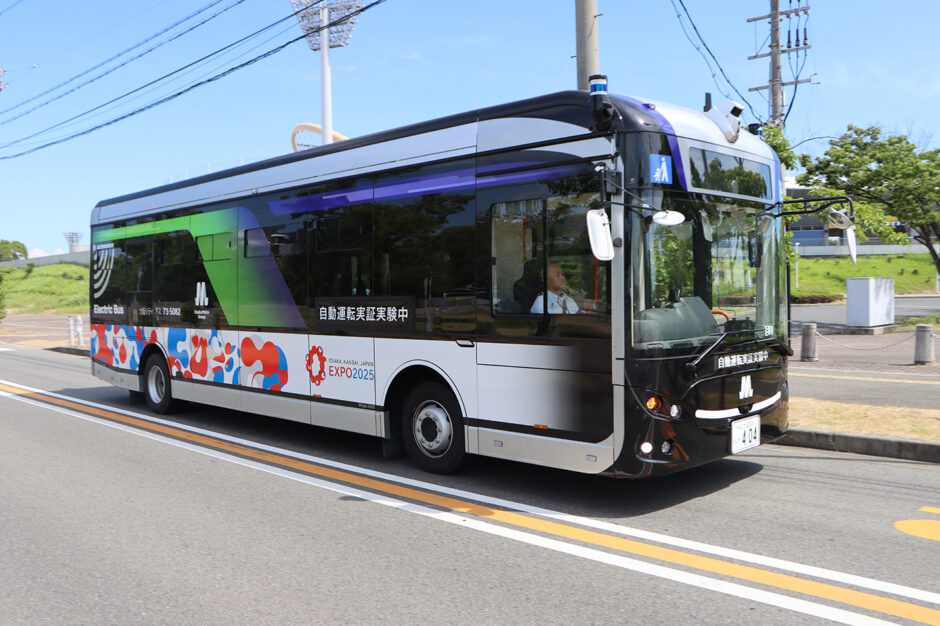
<point x="312" y="14"/>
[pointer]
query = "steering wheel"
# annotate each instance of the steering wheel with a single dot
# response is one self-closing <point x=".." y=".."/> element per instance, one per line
<point x="720" y="312"/>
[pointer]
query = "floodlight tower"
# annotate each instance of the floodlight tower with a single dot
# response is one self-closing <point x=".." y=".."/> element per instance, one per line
<point x="314" y="17"/>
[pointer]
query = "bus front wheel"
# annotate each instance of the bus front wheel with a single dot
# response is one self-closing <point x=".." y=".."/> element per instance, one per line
<point x="157" y="385"/>
<point x="432" y="429"/>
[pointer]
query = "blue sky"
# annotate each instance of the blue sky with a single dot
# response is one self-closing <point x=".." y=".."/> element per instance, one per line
<point x="409" y="60"/>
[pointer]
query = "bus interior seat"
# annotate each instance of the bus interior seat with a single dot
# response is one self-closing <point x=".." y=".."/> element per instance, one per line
<point x="525" y="290"/>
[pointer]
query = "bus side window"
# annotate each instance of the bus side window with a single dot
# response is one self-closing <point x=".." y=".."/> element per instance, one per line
<point x="256" y="243"/>
<point x="517" y="255"/>
<point x="342" y="240"/>
<point x="586" y="284"/>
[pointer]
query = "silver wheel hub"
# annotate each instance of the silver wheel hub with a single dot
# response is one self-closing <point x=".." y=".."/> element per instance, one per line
<point x="156" y="385"/>
<point x="433" y="429"/>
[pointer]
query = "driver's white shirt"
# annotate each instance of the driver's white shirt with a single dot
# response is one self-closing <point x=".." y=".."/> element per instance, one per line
<point x="556" y="304"/>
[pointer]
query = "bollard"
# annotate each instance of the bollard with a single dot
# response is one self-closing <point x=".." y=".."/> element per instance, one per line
<point x="923" y="345"/>
<point x="80" y="329"/>
<point x="808" y="344"/>
<point x="71" y="331"/>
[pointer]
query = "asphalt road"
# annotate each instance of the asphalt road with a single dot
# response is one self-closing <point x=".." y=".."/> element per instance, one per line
<point x="831" y="318"/>
<point x="109" y="517"/>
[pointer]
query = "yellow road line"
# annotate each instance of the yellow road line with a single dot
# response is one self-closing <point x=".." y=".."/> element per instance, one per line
<point x="859" y="599"/>
<point x="868" y="379"/>
<point x="930" y="509"/>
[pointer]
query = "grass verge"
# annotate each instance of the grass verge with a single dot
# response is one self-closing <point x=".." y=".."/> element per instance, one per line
<point x="860" y="419"/>
<point x="59" y="288"/>
<point x="933" y="320"/>
<point x="822" y="279"/>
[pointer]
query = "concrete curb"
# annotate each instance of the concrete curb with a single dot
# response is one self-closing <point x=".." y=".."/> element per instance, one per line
<point x="70" y="350"/>
<point x="909" y="449"/>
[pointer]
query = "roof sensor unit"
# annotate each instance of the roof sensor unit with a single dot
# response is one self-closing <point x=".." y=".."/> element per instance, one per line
<point x="727" y="117"/>
<point x="601" y="107"/>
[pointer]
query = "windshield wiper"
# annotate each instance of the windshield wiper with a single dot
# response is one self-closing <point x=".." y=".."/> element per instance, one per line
<point x="692" y="366"/>
<point x="775" y="343"/>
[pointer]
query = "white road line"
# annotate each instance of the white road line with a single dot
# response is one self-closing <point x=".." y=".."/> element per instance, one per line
<point x="731" y="553"/>
<point x="6" y="350"/>
<point x="856" y="373"/>
<point x="744" y="592"/>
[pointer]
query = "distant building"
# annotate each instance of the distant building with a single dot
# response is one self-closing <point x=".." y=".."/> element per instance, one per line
<point x="812" y="234"/>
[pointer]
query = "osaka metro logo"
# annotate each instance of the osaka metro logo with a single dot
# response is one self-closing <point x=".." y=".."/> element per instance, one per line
<point x="202" y="298"/>
<point x="747" y="389"/>
<point x="103" y="264"/>
<point x="316" y="354"/>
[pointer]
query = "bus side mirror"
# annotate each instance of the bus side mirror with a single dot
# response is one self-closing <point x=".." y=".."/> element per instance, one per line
<point x="842" y="221"/>
<point x="598" y="227"/>
<point x="850" y="239"/>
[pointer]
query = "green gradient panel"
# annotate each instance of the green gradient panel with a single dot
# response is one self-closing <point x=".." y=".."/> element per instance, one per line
<point x="222" y="273"/>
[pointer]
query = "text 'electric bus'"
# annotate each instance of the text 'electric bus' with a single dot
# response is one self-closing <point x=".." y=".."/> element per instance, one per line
<point x="582" y="281"/>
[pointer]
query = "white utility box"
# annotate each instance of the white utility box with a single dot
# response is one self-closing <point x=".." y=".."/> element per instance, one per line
<point x="870" y="301"/>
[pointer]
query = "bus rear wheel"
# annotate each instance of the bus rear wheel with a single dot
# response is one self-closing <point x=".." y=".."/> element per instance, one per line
<point x="157" y="385"/>
<point x="432" y="429"/>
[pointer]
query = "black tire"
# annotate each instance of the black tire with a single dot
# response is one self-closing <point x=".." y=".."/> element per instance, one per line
<point x="156" y="385"/>
<point x="432" y="429"/>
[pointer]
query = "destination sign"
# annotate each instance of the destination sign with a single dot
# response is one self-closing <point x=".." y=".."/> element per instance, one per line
<point x="738" y="360"/>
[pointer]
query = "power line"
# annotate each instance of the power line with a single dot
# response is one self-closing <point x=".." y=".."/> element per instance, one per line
<point x="699" y="50"/>
<point x="22" y="72"/>
<point x="147" y="91"/>
<point x="11" y="6"/>
<point x="151" y="83"/>
<point x="199" y="84"/>
<point x="714" y="58"/>
<point x="796" y="67"/>
<point x="116" y="56"/>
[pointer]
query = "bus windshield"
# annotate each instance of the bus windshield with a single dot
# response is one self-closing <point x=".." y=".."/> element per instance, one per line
<point x="721" y="271"/>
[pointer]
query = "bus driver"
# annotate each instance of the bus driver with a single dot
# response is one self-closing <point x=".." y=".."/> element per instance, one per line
<point x="558" y="302"/>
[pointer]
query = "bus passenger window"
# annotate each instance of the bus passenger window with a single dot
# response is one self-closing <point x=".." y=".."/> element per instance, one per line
<point x="517" y="255"/>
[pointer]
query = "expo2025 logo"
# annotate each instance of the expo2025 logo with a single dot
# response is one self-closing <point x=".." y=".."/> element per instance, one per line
<point x="316" y="353"/>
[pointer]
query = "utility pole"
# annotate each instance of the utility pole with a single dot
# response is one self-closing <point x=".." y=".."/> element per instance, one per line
<point x="776" y="83"/>
<point x="586" y="33"/>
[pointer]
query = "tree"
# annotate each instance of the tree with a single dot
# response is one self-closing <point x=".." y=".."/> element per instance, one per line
<point x="12" y="250"/>
<point x="885" y="176"/>
<point x="773" y="135"/>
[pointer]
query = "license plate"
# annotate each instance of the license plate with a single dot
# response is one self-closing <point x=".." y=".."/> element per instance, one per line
<point x="745" y="434"/>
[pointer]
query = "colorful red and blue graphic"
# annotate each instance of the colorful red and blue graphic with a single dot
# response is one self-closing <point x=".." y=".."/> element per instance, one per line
<point x="264" y="367"/>
<point x="120" y="346"/>
<point x="202" y="355"/>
